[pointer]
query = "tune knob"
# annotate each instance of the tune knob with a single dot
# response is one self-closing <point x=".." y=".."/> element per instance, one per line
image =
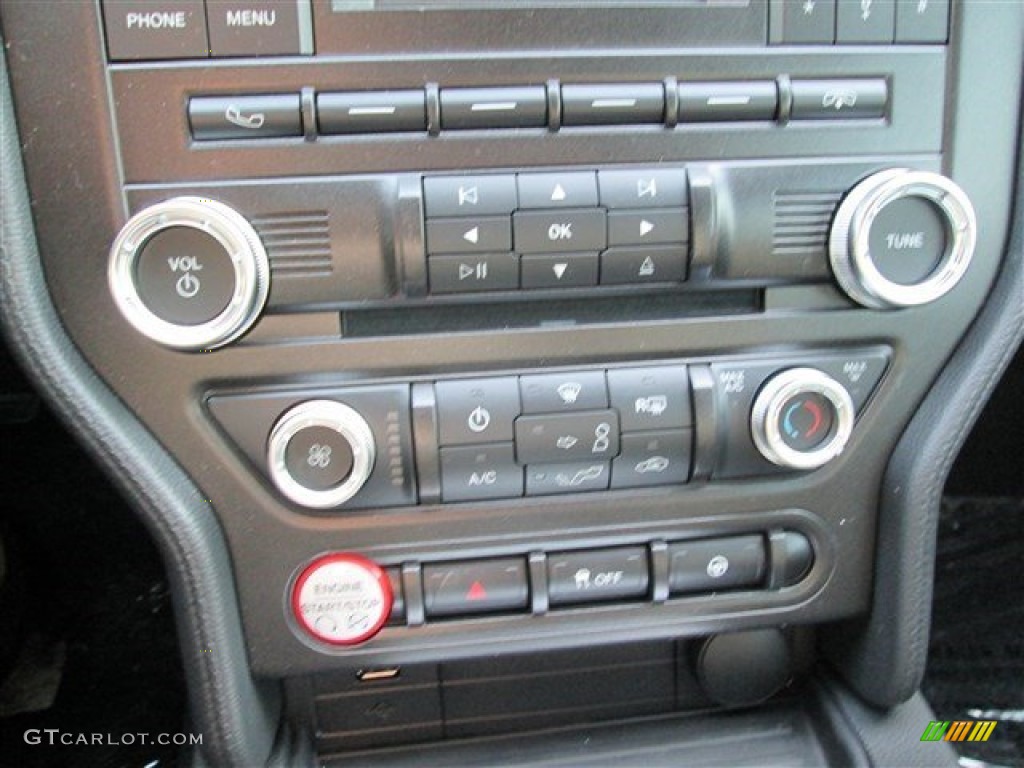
<point x="320" y="453"/>
<point x="801" y="419"/>
<point x="902" y="238"/>
<point x="189" y="273"/>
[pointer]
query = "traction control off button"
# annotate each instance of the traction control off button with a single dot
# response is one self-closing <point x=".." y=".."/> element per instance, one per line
<point x="342" y="599"/>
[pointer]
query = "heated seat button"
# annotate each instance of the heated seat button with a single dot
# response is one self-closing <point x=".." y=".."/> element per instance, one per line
<point x="245" y="117"/>
<point x="474" y="473"/>
<point x="567" y="437"/>
<point x="475" y="586"/>
<point x="709" y="565"/>
<point x="560" y="231"/>
<point x="653" y="458"/>
<point x="651" y="398"/>
<point x="598" y="575"/>
<point x="184" y="276"/>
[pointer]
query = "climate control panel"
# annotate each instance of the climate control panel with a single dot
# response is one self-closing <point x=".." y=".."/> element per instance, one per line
<point x="504" y="436"/>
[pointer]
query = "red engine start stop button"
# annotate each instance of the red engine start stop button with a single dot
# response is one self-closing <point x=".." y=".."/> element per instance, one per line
<point x="342" y="599"/>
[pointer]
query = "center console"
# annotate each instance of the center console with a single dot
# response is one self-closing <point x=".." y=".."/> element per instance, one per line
<point x="556" y="334"/>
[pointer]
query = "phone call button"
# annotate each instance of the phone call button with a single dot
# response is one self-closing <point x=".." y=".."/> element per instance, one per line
<point x="215" y="118"/>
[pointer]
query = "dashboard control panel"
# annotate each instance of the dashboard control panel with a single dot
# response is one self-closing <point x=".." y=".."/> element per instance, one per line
<point x="344" y="599"/>
<point x="540" y="434"/>
<point x="491" y="329"/>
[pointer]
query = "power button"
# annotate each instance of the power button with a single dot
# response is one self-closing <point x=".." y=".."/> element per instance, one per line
<point x="184" y="276"/>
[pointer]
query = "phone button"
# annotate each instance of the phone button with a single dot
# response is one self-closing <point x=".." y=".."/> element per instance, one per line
<point x="245" y="117"/>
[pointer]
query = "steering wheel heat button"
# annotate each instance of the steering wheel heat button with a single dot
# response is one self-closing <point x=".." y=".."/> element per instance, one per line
<point x="342" y="599"/>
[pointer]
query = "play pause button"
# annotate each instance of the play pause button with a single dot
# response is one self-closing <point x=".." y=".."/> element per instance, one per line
<point x="566" y="270"/>
<point x="473" y="273"/>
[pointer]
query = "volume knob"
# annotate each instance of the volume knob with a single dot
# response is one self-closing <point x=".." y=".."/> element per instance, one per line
<point x="189" y="273"/>
<point x="902" y="238"/>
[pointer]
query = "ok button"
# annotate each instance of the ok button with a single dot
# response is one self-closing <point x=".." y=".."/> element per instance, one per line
<point x="185" y="276"/>
<point x="582" y="229"/>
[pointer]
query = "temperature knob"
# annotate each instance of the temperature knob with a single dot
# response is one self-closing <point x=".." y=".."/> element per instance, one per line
<point x="189" y="273"/>
<point x="902" y="238"/>
<point x="320" y="453"/>
<point x="801" y="419"/>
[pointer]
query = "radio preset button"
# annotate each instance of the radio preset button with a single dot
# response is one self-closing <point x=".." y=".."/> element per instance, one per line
<point x="598" y="575"/>
<point x="643" y="188"/>
<point x="557" y="190"/>
<point x="560" y="231"/>
<point x="466" y="108"/>
<point x="643" y="264"/>
<point x="472" y="411"/>
<point x="484" y="234"/>
<point x="245" y="117"/>
<point x="256" y="28"/>
<point x="475" y="473"/>
<point x="651" y="398"/>
<point x="372" y="112"/>
<point x="473" y="273"/>
<point x="846" y="99"/>
<point x="653" y="458"/>
<point x="564" y="270"/>
<point x="558" y="392"/>
<point x="713" y="102"/>
<point x="469" y="195"/>
<point x="625" y="104"/>
<point x="579" y="477"/>
<point x="649" y="227"/>
<point x="567" y="437"/>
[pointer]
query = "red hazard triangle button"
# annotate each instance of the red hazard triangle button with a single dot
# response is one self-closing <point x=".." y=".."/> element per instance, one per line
<point x="476" y="592"/>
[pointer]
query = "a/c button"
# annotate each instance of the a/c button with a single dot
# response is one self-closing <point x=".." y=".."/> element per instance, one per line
<point x="184" y="276"/>
<point x="473" y="473"/>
